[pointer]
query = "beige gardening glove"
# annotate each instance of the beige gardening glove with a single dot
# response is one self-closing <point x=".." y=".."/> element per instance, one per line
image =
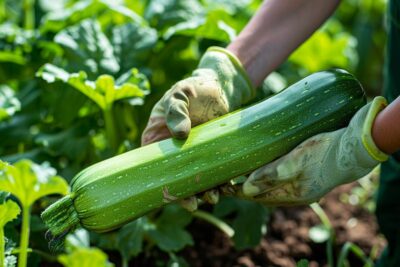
<point x="319" y="164"/>
<point x="219" y="85"/>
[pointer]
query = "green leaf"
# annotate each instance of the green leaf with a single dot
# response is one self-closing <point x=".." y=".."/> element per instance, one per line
<point x="9" y="104"/>
<point x="319" y="233"/>
<point x="213" y="27"/>
<point x="48" y="6"/>
<point x="168" y="232"/>
<point x="246" y="213"/>
<point x="74" y="142"/>
<point x="3" y="196"/>
<point x="15" y="42"/>
<point x="104" y="91"/>
<point x="8" y="212"/>
<point x="86" y="48"/>
<point x="10" y="261"/>
<point x="13" y="57"/>
<point x="129" y="239"/>
<point x="29" y="181"/>
<point x="78" y="239"/>
<point x="59" y="19"/>
<point x="165" y="13"/>
<point x="326" y="50"/>
<point x="10" y="246"/>
<point x="85" y="257"/>
<point x="133" y="43"/>
<point x="106" y="11"/>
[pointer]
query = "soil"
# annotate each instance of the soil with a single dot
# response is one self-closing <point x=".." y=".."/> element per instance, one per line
<point x="287" y="239"/>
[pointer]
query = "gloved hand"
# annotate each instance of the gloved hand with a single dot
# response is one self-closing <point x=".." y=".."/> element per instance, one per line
<point x="319" y="164"/>
<point x="219" y="85"/>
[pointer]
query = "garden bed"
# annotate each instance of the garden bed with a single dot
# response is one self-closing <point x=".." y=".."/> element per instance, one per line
<point x="287" y="238"/>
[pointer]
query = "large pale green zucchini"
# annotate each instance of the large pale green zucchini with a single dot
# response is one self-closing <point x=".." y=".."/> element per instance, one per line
<point x="115" y="191"/>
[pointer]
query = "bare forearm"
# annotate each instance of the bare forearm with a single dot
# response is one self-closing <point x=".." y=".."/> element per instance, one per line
<point x="277" y="29"/>
<point x="386" y="128"/>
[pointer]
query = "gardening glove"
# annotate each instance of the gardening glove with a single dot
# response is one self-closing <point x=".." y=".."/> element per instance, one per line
<point x="219" y="85"/>
<point x="319" y="164"/>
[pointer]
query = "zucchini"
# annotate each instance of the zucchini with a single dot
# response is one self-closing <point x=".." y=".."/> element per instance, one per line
<point x="117" y="190"/>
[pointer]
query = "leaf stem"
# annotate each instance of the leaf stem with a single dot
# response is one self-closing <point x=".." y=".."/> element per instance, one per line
<point x="2" y="12"/>
<point x="350" y="247"/>
<point x="224" y="227"/>
<point x="2" y="255"/>
<point x="44" y="255"/>
<point x="326" y="222"/>
<point x="111" y="132"/>
<point x="24" y="241"/>
<point x="29" y="12"/>
<point x="124" y="262"/>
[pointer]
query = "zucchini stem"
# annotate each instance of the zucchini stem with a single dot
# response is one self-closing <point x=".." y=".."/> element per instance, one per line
<point x="224" y="227"/>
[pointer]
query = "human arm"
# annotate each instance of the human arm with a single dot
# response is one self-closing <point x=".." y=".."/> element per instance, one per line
<point x="273" y="33"/>
<point x="278" y="28"/>
<point x="386" y="128"/>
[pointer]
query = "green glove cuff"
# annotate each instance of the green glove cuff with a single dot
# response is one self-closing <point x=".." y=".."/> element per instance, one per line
<point x="236" y="62"/>
<point x="377" y="105"/>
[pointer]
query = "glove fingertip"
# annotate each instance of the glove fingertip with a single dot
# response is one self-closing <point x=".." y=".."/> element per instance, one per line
<point x="249" y="189"/>
<point x="180" y="128"/>
<point x="190" y="204"/>
<point x="211" y="196"/>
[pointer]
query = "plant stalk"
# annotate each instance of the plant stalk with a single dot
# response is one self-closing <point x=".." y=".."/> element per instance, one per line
<point x="2" y="243"/>
<point x="111" y="130"/>
<point x="44" y="255"/>
<point x="326" y="222"/>
<point x="29" y="12"/>
<point x="224" y="227"/>
<point x="357" y="251"/>
<point x="2" y="12"/>
<point x="124" y="262"/>
<point x="24" y="241"/>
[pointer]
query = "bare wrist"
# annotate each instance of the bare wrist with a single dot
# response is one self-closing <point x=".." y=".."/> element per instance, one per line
<point x="386" y="128"/>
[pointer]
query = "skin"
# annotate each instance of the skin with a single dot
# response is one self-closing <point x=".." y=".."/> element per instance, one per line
<point x="386" y="128"/>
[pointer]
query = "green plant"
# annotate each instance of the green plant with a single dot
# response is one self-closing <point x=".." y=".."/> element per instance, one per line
<point x="357" y="251"/>
<point x="85" y="257"/>
<point x="324" y="232"/>
<point x="104" y="91"/>
<point x="29" y="182"/>
<point x="9" y="210"/>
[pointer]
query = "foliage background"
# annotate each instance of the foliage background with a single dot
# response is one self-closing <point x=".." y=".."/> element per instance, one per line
<point x="52" y="52"/>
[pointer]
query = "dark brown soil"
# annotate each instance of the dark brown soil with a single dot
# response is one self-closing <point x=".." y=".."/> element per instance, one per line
<point x="287" y="239"/>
